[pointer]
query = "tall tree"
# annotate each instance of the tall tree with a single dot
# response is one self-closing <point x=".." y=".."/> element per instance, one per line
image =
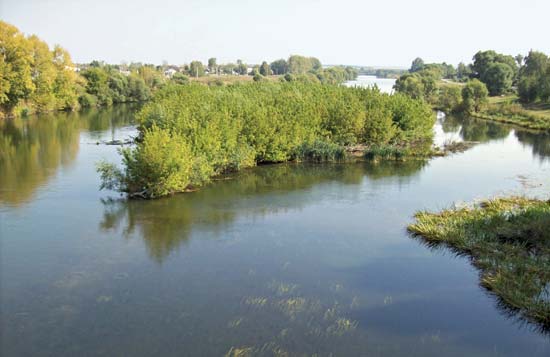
<point x="534" y="78"/>
<point x="265" y="70"/>
<point x="212" y="65"/>
<point x="498" y="77"/>
<point x="15" y="67"/>
<point x="474" y="95"/>
<point x="417" y="65"/>
<point x="279" y="66"/>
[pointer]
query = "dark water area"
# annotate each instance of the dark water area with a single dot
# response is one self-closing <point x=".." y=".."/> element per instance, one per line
<point x="294" y="258"/>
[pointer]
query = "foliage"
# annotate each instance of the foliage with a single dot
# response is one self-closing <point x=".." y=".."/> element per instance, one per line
<point x="301" y="65"/>
<point x="496" y="70"/>
<point x="474" y="96"/>
<point x="265" y="69"/>
<point x="498" y="77"/>
<point x="320" y="151"/>
<point x="227" y="128"/>
<point x="108" y="85"/>
<point x="279" y="66"/>
<point x="450" y="99"/>
<point x="508" y="240"/>
<point x="31" y="73"/>
<point x="417" y="65"/>
<point x="534" y="78"/>
<point x="196" y="69"/>
<point x="418" y="85"/>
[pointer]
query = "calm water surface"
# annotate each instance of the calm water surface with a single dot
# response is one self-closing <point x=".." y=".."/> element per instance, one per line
<point x="385" y="84"/>
<point x="307" y="259"/>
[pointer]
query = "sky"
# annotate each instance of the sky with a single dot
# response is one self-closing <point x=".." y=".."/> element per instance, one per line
<point x="354" y="32"/>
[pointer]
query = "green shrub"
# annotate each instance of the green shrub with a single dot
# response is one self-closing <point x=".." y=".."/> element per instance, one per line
<point x="320" y="151"/>
<point x="87" y="100"/>
<point x="219" y="129"/>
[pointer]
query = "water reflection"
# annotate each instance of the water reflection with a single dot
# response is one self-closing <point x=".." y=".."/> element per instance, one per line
<point x="539" y="142"/>
<point x="33" y="150"/>
<point x="471" y="129"/>
<point x="166" y="224"/>
<point x="478" y="130"/>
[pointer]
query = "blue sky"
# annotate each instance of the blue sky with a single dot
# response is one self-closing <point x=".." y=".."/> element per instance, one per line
<point x="388" y="32"/>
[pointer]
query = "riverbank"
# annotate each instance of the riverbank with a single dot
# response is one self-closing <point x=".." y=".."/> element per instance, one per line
<point x="507" y="109"/>
<point x="503" y="109"/>
<point x="508" y="240"/>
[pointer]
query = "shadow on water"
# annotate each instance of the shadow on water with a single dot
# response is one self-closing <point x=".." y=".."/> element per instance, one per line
<point x="166" y="224"/>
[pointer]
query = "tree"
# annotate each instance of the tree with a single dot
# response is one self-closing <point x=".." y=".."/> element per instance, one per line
<point x="96" y="84"/>
<point x="15" y="67"/>
<point x="67" y="82"/>
<point x="212" y="65"/>
<point x="43" y="75"/>
<point x="411" y="85"/>
<point x="301" y="65"/>
<point x="484" y="59"/>
<point x="498" y="77"/>
<point x="417" y="65"/>
<point x="279" y="67"/>
<point x="196" y="69"/>
<point x="534" y="78"/>
<point x="418" y="85"/>
<point x="450" y="99"/>
<point x="519" y="59"/>
<point x="265" y="70"/>
<point x="474" y="96"/>
<point x="228" y="68"/>
<point x="464" y="72"/>
<point x="242" y="68"/>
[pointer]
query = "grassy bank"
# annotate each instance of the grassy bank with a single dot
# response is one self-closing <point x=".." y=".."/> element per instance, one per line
<point x="508" y="109"/>
<point x="191" y="133"/>
<point x="508" y="240"/>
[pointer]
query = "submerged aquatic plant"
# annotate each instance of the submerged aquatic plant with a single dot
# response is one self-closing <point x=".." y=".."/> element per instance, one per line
<point x="508" y="240"/>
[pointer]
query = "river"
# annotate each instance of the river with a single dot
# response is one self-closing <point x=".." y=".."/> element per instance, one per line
<point x="307" y="259"/>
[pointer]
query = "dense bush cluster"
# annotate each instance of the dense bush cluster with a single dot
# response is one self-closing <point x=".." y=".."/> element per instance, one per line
<point x="191" y="133"/>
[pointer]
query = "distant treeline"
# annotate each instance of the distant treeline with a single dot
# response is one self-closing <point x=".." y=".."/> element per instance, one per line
<point x="490" y="73"/>
<point x="381" y="72"/>
<point x="37" y="79"/>
<point x="294" y="68"/>
<point x="189" y="134"/>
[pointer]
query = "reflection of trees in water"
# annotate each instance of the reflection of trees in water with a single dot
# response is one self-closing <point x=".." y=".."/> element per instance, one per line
<point x="471" y="129"/>
<point x="539" y="142"/>
<point x="98" y="121"/>
<point x="165" y="224"/>
<point x="32" y="150"/>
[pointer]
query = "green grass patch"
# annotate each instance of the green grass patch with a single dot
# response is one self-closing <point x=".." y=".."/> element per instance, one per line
<point x="508" y="240"/>
<point x="508" y="109"/>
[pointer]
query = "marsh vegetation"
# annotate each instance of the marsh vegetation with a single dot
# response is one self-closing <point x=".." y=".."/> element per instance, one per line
<point x="508" y="240"/>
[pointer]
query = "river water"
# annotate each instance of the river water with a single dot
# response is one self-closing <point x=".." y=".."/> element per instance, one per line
<point x="304" y="259"/>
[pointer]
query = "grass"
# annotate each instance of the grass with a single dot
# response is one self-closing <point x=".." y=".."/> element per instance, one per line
<point x="508" y="109"/>
<point x="229" y="79"/>
<point x="508" y="240"/>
